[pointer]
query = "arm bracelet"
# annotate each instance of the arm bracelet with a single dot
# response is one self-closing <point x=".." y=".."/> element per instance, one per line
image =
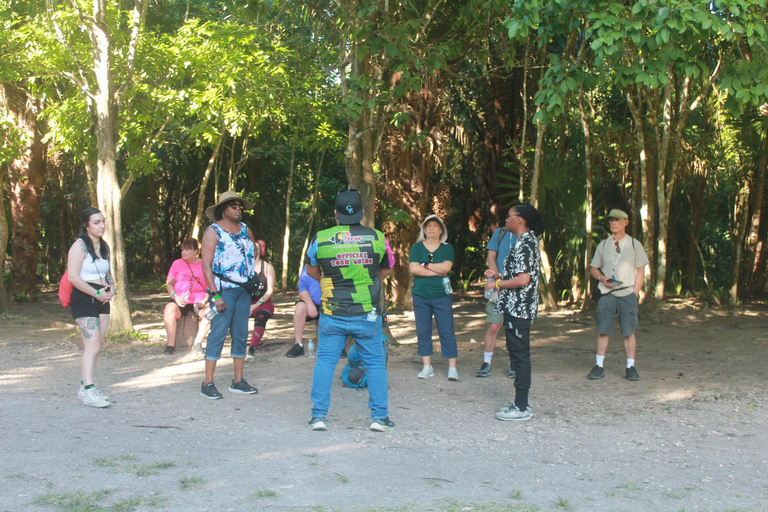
<point x="497" y="283"/>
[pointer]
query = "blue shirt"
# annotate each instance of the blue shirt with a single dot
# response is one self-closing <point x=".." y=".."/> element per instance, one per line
<point x="310" y="285"/>
<point x="503" y="248"/>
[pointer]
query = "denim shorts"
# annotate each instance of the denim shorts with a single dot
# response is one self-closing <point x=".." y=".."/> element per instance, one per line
<point x="625" y="307"/>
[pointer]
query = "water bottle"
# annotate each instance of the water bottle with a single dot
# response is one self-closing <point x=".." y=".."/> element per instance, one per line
<point x="447" y="285"/>
<point x="311" y="348"/>
<point x="372" y="315"/>
<point x="212" y="312"/>
<point x="185" y="296"/>
<point x="489" y="291"/>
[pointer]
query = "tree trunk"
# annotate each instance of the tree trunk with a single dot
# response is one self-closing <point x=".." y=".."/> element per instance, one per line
<point x="741" y="221"/>
<point x="755" y="245"/>
<point x="196" y="229"/>
<point x="588" y="281"/>
<point x="3" y="244"/>
<point x="110" y="196"/>
<point x="547" y="286"/>
<point x="313" y="211"/>
<point x="154" y="228"/>
<point x="287" y="230"/>
<point x="26" y="178"/>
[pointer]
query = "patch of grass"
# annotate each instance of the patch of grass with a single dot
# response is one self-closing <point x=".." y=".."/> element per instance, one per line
<point x="405" y="508"/>
<point x="78" y="501"/>
<point x="20" y="476"/>
<point x="152" y="468"/>
<point x="563" y="503"/>
<point x="127" y="336"/>
<point x="191" y="483"/>
<point x="624" y="490"/>
<point x="264" y="493"/>
<point x="682" y="493"/>
<point x="434" y="483"/>
<point x="516" y="494"/>
<point x="461" y="506"/>
<point x="107" y="463"/>
<point x="138" y="503"/>
<point x="342" y="479"/>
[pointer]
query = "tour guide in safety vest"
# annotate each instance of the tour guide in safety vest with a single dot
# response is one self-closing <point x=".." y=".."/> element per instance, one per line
<point x="350" y="261"/>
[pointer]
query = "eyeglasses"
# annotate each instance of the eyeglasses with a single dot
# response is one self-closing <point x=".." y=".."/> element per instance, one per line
<point x="616" y="243"/>
<point x="236" y="206"/>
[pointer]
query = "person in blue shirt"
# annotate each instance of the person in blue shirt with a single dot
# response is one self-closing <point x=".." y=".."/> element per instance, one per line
<point x="306" y="310"/>
<point x="500" y="244"/>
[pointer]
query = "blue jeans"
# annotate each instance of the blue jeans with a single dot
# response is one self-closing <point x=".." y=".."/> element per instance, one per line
<point x="332" y="336"/>
<point x="234" y="320"/>
<point x="442" y="308"/>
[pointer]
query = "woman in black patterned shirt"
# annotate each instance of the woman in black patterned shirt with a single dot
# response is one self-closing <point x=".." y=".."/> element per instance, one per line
<point x="518" y="286"/>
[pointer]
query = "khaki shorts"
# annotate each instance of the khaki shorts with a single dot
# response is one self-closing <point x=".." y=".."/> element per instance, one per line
<point x="610" y="306"/>
<point x="490" y="316"/>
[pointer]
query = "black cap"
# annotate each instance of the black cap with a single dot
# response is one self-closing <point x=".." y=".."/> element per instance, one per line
<point x="349" y="207"/>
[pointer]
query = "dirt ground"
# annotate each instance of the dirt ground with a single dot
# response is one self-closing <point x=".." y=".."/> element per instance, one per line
<point x="690" y="435"/>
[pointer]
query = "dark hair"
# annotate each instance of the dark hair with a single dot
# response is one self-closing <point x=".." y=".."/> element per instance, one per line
<point x="531" y="216"/>
<point x="85" y="218"/>
<point x="189" y="243"/>
<point x="218" y="213"/>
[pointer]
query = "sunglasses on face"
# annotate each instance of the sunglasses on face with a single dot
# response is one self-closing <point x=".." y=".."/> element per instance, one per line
<point x="236" y="206"/>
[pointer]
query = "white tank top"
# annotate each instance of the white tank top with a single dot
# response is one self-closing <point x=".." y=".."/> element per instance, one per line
<point x="94" y="270"/>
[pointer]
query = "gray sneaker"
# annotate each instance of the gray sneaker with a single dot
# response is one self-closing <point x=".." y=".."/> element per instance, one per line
<point x="382" y="424"/>
<point x="318" y="424"/>
<point x="198" y="349"/>
<point x="484" y="371"/>
<point x="632" y="374"/>
<point x="512" y="413"/>
<point x="510" y="372"/>
<point x="242" y="387"/>
<point x="596" y="373"/>
<point x="93" y="398"/>
<point x="528" y="409"/>
<point x="210" y="391"/>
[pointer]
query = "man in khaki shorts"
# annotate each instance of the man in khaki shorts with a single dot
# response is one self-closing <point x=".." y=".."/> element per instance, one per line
<point x="619" y="264"/>
<point x="499" y="246"/>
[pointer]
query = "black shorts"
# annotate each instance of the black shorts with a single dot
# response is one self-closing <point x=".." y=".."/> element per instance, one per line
<point x="85" y="306"/>
<point x="189" y="309"/>
<point x="309" y="318"/>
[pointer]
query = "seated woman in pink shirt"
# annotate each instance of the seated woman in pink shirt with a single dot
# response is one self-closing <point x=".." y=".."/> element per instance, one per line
<point x="186" y="285"/>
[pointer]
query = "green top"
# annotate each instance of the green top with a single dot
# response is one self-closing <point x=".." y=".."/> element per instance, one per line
<point x="429" y="287"/>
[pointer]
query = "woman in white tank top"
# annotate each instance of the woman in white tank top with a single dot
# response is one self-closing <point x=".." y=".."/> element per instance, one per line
<point x="88" y="267"/>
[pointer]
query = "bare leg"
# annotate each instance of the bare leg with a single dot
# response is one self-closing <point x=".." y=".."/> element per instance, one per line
<point x="171" y="315"/>
<point x="203" y="328"/>
<point x="91" y="333"/>
<point x="490" y="337"/>
<point x="452" y="362"/>
<point x="299" y="321"/>
<point x="602" y="343"/>
<point x="630" y="345"/>
<point x="210" y="368"/>
<point x="239" y="362"/>
<point x="427" y="360"/>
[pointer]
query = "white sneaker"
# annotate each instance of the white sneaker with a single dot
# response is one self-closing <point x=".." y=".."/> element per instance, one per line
<point x="426" y="372"/>
<point x="81" y="394"/>
<point x="512" y="413"/>
<point x="197" y="348"/>
<point x="93" y="399"/>
<point x="453" y="374"/>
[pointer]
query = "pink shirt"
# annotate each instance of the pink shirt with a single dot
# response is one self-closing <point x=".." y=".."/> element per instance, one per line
<point x="186" y="282"/>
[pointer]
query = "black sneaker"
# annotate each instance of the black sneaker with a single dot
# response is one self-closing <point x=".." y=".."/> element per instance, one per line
<point x="318" y="424"/>
<point x="251" y="351"/>
<point x="382" y="424"/>
<point x="343" y="354"/>
<point x="169" y="350"/>
<point x="210" y="391"/>
<point x="510" y="372"/>
<point x="632" y="374"/>
<point x="296" y="351"/>
<point x="484" y="371"/>
<point x="596" y="373"/>
<point x="243" y="388"/>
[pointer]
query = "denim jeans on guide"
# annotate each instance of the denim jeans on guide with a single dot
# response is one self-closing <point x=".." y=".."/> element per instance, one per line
<point x="234" y="319"/>
<point x="332" y="336"/>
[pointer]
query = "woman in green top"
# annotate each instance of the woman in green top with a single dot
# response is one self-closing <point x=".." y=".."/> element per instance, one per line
<point x="430" y="262"/>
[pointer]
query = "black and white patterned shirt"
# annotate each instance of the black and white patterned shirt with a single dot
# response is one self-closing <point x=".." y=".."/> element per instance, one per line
<point x="522" y="259"/>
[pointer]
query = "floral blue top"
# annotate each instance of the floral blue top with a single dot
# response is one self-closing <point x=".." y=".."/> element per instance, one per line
<point x="234" y="256"/>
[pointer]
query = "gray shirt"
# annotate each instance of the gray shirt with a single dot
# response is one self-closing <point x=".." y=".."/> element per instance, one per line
<point x="620" y="262"/>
